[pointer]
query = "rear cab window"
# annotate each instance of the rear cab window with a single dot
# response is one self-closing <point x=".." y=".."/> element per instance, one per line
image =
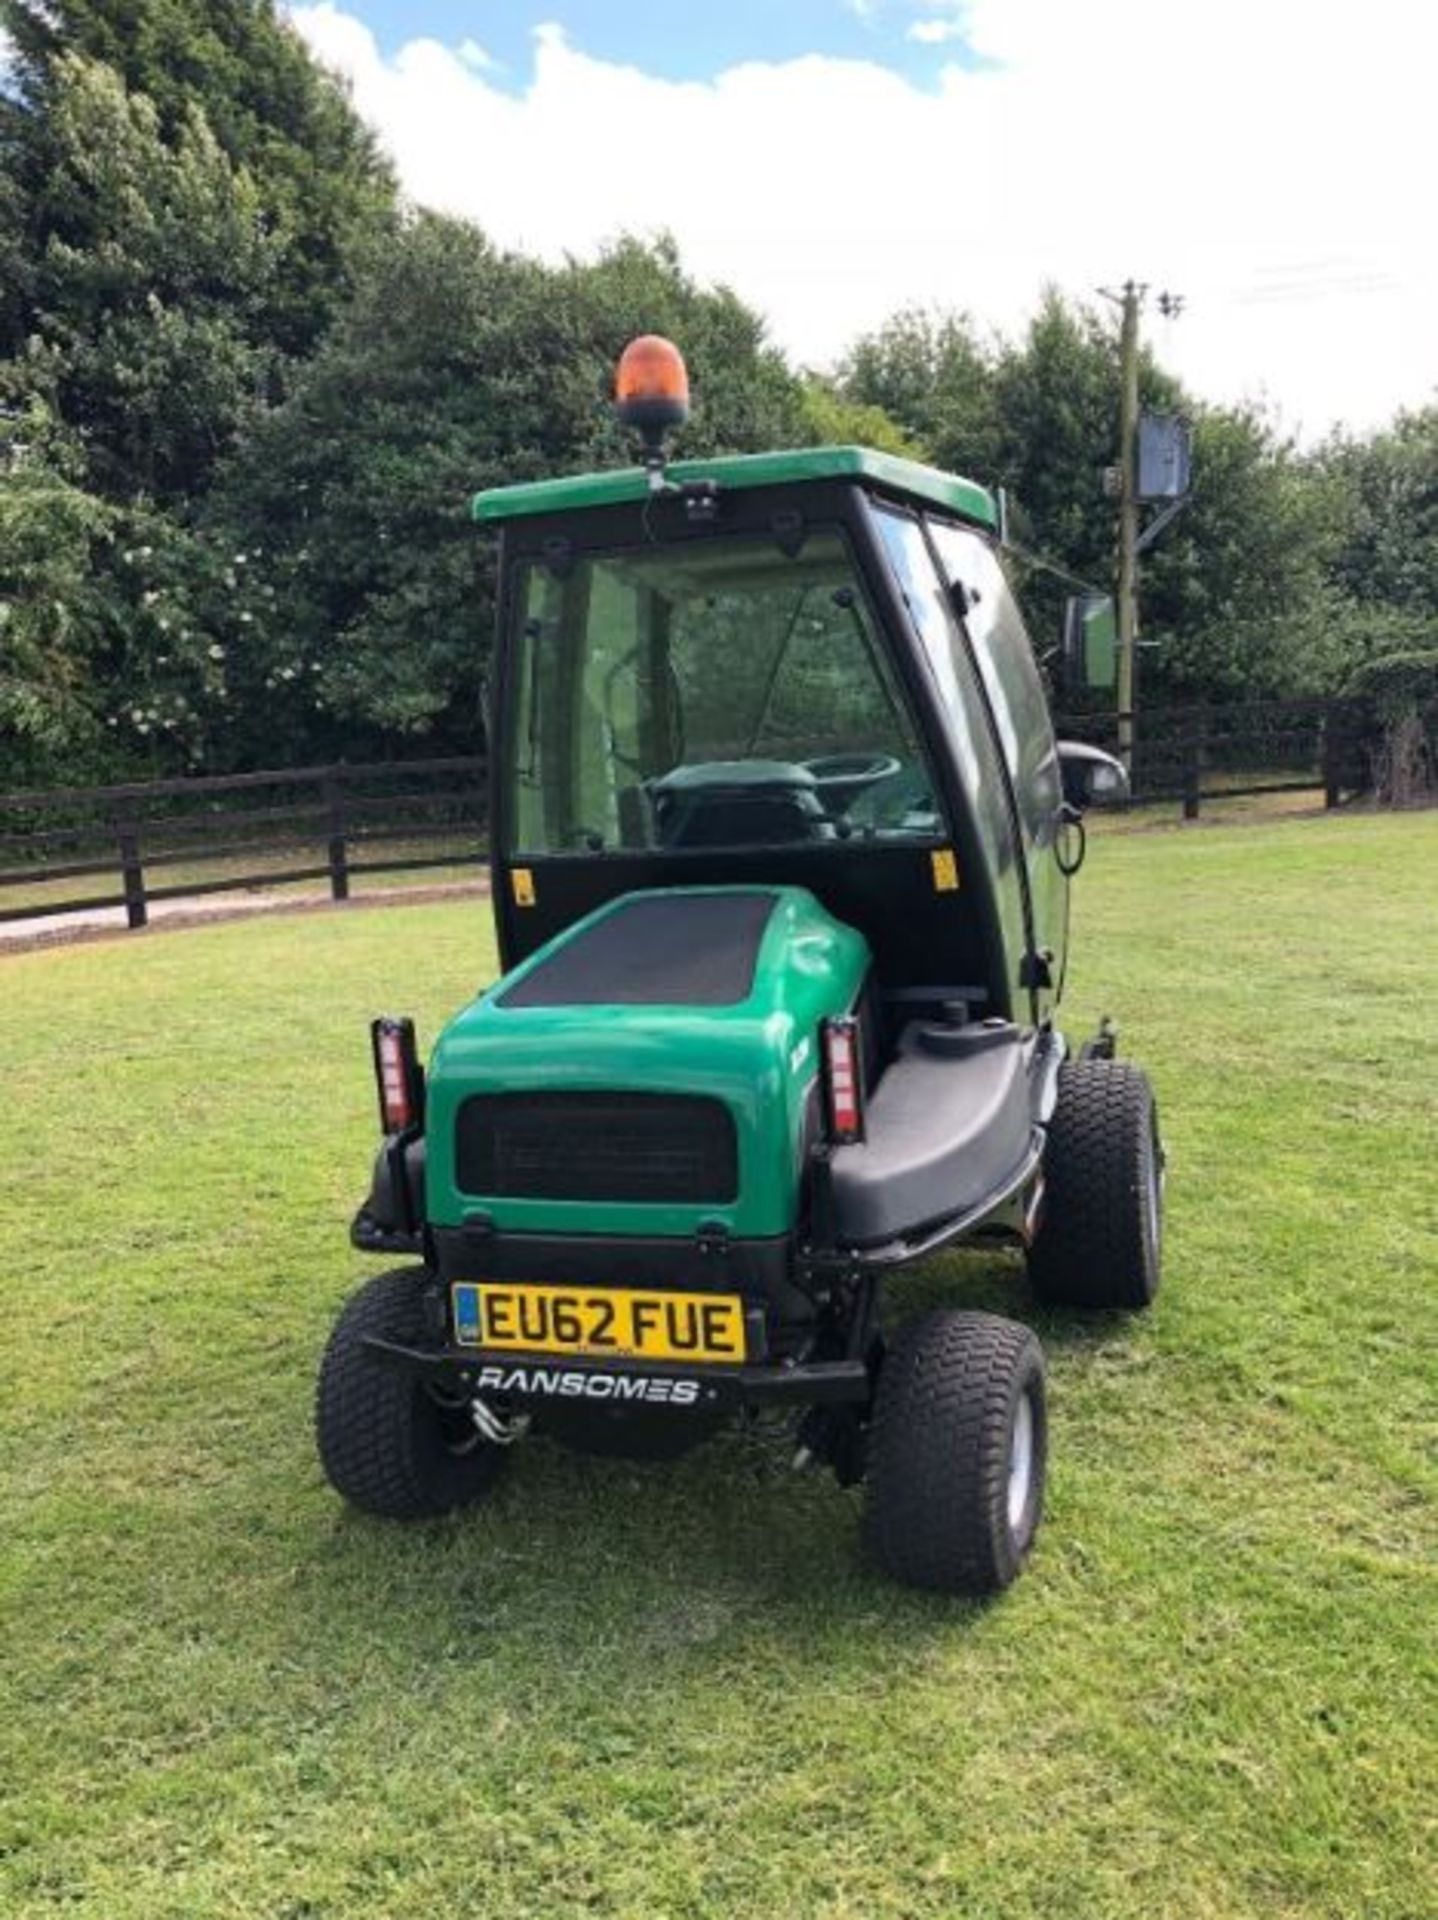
<point x="724" y="694"/>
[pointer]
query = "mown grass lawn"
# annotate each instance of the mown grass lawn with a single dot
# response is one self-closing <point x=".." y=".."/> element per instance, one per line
<point x="677" y="1691"/>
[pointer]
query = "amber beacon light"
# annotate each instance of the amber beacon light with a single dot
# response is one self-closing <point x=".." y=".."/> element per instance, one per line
<point x="651" y="395"/>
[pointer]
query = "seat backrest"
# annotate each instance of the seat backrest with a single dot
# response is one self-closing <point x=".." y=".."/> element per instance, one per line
<point x="735" y="818"/>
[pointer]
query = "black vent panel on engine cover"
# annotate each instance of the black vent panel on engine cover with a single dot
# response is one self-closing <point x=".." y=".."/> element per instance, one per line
<point x="677" y="949"/>
<point x="597" y="1146"/>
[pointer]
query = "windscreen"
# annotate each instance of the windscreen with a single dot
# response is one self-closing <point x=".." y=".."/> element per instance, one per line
<point x="722" y="694"/>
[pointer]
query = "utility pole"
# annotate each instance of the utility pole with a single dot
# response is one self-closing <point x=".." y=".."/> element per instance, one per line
<point x="1130" y="305"/>
<point x="1134" y="486"/>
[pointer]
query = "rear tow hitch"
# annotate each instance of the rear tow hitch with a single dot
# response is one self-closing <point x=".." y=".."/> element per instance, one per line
<point x="501" y="1430"/>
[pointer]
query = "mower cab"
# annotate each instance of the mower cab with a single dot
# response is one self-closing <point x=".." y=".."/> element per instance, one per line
<point x="781" y="848"/>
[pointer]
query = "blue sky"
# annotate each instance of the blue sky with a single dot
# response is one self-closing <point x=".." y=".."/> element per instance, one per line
<point x="682" y="39"/>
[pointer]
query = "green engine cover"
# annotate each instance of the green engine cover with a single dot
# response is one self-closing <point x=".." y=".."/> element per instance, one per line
<point x="714" y="991"/>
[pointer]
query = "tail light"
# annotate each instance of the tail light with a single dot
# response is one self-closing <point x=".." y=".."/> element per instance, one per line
<point x="398" y="1075"/>
<point x="843" y="1080"/>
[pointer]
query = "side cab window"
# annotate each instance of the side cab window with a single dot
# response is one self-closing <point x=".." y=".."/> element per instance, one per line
<point x="928" y="604"/>
<point x="931" y="610"/>
<point x="1011" y="679"/>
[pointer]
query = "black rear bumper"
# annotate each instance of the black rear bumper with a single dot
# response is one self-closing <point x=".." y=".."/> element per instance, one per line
<point x="550" y="1378"/>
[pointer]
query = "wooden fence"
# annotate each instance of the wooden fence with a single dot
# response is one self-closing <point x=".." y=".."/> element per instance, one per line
<point x="172" y="839"/>
<point x="1195" y="754"/>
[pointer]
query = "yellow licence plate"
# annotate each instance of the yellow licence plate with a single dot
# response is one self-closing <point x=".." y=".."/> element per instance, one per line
<point x="599" y="1322"/>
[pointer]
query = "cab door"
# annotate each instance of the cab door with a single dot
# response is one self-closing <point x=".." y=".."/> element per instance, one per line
<point x="1005" y="660"/>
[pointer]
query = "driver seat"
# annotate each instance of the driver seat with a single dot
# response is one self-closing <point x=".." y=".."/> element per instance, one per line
<point x="739" y="803"/>
<point x="743" y="817"/>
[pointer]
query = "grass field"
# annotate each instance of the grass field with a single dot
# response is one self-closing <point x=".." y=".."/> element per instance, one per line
<point x="677" y="1691"/>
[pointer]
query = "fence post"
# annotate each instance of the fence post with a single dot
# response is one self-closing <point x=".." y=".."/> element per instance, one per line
<point x="1195" y="728"/>
<point x="335" y="814"/>
<point x="1332" y="755"/>
<point x="132" y="873"/>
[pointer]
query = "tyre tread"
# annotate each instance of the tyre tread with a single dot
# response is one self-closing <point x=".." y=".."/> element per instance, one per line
<point x="1091" y="1248"/>
<point x="938" y="1451"/>
<point x="366" y="1425"/>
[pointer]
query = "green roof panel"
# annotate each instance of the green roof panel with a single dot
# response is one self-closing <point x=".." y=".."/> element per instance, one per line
<point x="626" y="485"/>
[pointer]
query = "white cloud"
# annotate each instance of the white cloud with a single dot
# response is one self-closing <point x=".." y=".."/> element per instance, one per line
<point x="474" y="55"/>
<point x="933" y="33"/>
<point x="1273" y="164"/>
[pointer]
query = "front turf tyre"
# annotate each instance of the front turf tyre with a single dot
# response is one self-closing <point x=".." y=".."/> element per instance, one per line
<point x="1100" y="1242"/>
<point x="957" y="1451"/>
<point x="387" y="1442"/>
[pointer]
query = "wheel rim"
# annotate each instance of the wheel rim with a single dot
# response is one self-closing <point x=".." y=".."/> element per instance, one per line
<point x="1021" y="1463"/>
<point x="1153" y="1197"/>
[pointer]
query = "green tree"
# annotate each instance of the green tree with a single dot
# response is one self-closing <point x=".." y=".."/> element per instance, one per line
<point x="365" y="592"/>
<point x="103" y="662"/>
<point x="832" y="419"/>
<point x="182" y="197"/>
<point x="1056" y="403"/>
<point x="931" y="375"/>
<point x="143" y="336"/>
<point x="319" y="179"/>
<point x="1233" y="593"/>
<point x="53" y="617"/>
<point x="1384" y="498"/>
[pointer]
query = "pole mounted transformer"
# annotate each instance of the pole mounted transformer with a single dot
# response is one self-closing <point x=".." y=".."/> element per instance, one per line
<point x="1165" y="457"/>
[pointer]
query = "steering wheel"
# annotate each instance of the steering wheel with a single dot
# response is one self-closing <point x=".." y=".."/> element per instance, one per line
<point x="842" y="777"/>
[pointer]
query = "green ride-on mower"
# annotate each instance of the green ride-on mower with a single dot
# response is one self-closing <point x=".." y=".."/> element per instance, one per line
<point x="781" y="851"/>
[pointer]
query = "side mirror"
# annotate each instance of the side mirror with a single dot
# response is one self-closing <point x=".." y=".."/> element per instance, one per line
<point x="1090" y="641"/>
<point x="1091" y="777"/>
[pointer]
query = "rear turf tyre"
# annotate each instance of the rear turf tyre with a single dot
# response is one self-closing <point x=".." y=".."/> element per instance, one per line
<point x="386" y="1443"/>
<point x="1100" y="1242"/>
<point x="957" y="1452"/>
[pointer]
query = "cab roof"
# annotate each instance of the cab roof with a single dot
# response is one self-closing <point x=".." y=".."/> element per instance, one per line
<point x="908" y="479"/>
